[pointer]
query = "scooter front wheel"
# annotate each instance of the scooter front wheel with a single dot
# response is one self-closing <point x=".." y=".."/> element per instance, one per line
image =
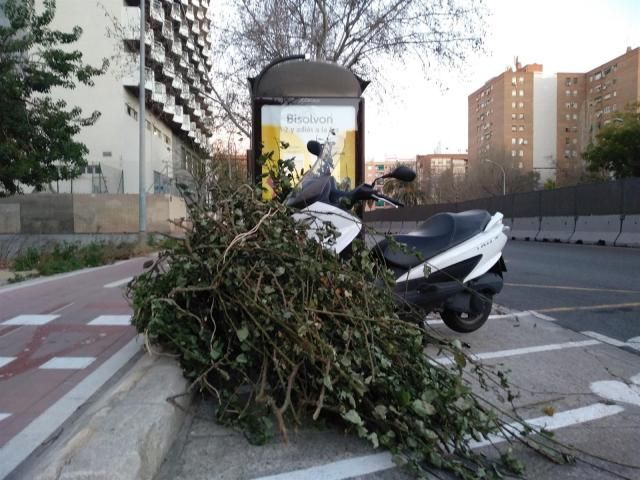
<point x="469" y="321"/>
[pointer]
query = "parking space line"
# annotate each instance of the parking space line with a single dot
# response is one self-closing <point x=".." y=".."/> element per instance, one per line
<point x="367" y="464"/>
<point x="604" y="338"/>
<point x="30" y="320"/>
<point x="4" y="415"/>
<point x="522" y="351"/>
<point x="67" y="363"/>
<point x="559" y="420"/>
<point x="118" y="283"/>
<point x="5" y="360"/>
<point x="113" y="320"/>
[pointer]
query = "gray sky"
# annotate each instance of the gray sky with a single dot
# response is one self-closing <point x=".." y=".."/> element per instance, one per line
<point x="563" y="35"/>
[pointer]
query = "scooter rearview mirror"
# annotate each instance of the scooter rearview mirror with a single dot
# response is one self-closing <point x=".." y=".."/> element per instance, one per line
<point x="314" y="147"/>
<point x="402" y="173"/>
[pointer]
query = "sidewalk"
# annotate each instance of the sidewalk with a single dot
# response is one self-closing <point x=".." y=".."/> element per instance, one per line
<point x="132" y="431"/>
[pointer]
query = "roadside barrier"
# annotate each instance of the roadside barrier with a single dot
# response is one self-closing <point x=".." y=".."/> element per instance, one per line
<point x="597" y="230"/>
<point x="556" y="229"/>
<point x="630" y="232"/>
<point x="525" y="228"/>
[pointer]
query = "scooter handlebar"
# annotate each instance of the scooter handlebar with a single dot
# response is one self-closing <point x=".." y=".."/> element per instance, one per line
<point x="384" y="198"/>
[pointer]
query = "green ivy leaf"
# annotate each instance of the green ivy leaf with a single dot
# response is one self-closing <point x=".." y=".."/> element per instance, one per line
<point x="242" y="334"/>
<point x="353" y="417"/>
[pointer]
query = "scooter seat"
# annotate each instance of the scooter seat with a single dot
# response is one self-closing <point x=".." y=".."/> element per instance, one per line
<point x="439" y="233"/>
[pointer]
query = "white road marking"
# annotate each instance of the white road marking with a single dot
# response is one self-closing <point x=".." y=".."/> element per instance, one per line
<point x="434" y="322"/>
<point x="541" y="316"/>
<point x="633" y="343"/>
<point x="557" y="421"/>
<point x="339" y="470"/>
<point x="40" y="281"/>
<point x="4" y="415"/>
<point x="617" y="391"/>
<point x="357" y="466"/>
<point x="604" y="339"/>
<point x="521" y="351"/>
<point x="118" y="283"/>
<point x="67" y="363"/>
<point x="5" y="360"/>
<point x="21" y="446"/>
<point x="30" y="320"/>
<point x="111" y="320"/>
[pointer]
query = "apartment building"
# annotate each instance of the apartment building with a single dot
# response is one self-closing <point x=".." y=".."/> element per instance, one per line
<point x="529" y="120"/>
<point x="177" y="61"/>
<point x="430" y="167"/>
<point x="589" y="101"/>
<point x="375" y="170"/>
<point x="502" y="116"/>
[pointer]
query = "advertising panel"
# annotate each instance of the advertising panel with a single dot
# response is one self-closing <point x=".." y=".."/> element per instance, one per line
<point x="295" y="125"/>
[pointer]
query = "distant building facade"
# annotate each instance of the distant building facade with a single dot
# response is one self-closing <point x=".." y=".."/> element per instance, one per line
<point x="375" y="170"/>
<point x="525" y="119"/>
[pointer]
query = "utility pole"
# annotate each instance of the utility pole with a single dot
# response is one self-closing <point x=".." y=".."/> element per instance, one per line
<point x="142" y="200"/>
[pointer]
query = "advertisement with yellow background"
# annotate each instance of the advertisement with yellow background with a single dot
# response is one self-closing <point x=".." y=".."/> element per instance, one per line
<point x="295" y="125"/>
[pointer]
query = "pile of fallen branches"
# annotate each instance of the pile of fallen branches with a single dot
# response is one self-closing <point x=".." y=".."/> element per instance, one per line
<point x="282" y="333"/>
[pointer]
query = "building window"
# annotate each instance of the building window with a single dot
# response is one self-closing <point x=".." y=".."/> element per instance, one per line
<point x="513" y="141"/>
<point x="513" y="80"/>
<point x="513" y="153"/>
<point x="521" y="116"/>
<point x="132" y="112"/>
<point x="513" y="92"/>
<point x="567" y="92"/>
<point x="521" y="128"/>
<point x="156" y="131"/>
<point x="575" y="93"/>
<point x="520" y="141"/>
<point x="567" y="116"/>
<point x="513" y="116"/>
<point x="167" y="139"/>
<point x="521" y="153"/>
<point x="513" y="128"/>
<point x="520" y="105"/>
<point x="520" y="165"/>
<point x="574" y="116"/>
<point x="521" y="79"/>
<point x="521" y="93"/>
<point x="513" y="104"/>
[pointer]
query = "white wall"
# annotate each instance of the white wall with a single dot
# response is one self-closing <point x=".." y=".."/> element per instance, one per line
<point x="544" y="125"/>
<point x="113" y="139"/>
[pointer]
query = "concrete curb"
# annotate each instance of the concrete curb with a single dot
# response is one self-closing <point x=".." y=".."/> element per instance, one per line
<point x="127" y="433"/>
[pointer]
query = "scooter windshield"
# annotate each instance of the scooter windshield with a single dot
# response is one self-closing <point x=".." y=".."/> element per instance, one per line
<point x="317" y="183"/>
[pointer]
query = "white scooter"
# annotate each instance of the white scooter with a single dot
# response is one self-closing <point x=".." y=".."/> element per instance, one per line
<point x="451" y="264"/>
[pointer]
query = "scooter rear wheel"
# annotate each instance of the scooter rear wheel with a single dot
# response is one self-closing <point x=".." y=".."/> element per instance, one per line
<point x="467" y="322"/>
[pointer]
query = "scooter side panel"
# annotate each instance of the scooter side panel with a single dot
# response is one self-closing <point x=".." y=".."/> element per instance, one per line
<point x="316" y="215"/>
<point x="489" y="244"/>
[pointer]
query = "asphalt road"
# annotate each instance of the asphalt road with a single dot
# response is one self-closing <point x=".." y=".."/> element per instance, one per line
<point x="585" y="288"/>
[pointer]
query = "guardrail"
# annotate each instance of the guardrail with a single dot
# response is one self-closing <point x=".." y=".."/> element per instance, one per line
<point x="606" y="213"/>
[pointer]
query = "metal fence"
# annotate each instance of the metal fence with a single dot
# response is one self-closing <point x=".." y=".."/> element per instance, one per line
<point x="618" y="197"/>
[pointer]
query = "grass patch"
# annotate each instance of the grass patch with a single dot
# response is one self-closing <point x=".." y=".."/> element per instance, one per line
<point x="67" y="257"/>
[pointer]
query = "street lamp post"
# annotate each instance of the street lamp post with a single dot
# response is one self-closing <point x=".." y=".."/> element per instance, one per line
<point x="142" y="201"/>
<point x="504" y="175"/>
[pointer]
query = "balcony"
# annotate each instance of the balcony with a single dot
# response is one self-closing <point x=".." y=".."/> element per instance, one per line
<point x="177" y="82"/>
<point x="183" y="62"/>
<point x="167" y="30"/>
<point x="208" y="61"/>
<point x="195" y="3"/>
<point x="197" y="112"/>
<point x="192" y="130"/>
<point x="192" y="104"/>
<point x="190" y="44"/>
<point x="196" y="83"/>
<point x="184" y="94"/>
<point x="184" y="2"/>
<point x="190" y="14"/>
<point x="157" y="12"/>
<point x="201" y="41"/>
<point x="177" y="114"/>
<point x="200" y="14"/>
<point x="132" y="77"/>
<point x="176" y="47"/>
<point x="195" y="28"/>
<point x="159" y="93"/>
<point x="169" y="105"/>
<point x="176" y="14"/>
<point x="186" y="122"/>
<point x="168" y="69"/>
<point x="183" y="31"/>
<point x="204" y="3"/>
<point x="201" y="68"/>
<point x="191" y="73"/>
<point x="158" y="53"/>
<point x="205" y="27"/>
<point x="131" y="27"/>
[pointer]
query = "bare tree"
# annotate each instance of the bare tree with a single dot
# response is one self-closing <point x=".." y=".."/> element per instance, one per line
<point x="365" y="36"/>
